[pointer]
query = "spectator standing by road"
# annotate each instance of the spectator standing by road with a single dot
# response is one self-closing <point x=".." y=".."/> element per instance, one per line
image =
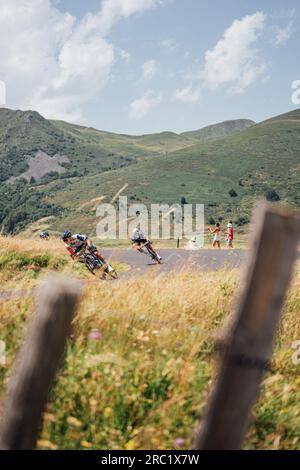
<point x="229" y="234"/>
<point x="216" y="232"/>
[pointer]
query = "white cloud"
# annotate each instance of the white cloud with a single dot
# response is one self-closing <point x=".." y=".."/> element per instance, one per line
<point x="91" y="60"/>
<point x="234" y="59"/>
<point x="284" y="34"/>
<point x="125" y="55"/>
<point x="53" y="62"/>
<point x="87" y="50"/>
<point x="113" y="10"/>
<point x="188" y="94"/>
<point x="61" y="107"/>
<point x="141" y="106"/>
<point x="169" y="44"/>
<point x="150" y="69"/>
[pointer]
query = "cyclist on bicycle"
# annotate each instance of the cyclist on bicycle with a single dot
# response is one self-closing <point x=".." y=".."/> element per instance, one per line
<point x="77" y="244"/>
<point x="139" y="239"/>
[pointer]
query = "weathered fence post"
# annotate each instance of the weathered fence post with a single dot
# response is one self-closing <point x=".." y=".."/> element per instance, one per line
<point x="249" y="345"/>
<point x="37" y="363"/>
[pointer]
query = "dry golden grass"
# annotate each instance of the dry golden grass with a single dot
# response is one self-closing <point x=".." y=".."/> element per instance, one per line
<point x="32" y="246"/>
<point x="145" y="382"/>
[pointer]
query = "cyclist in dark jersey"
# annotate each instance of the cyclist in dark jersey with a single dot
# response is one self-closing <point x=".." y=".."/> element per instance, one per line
<point x="77" y="243"/>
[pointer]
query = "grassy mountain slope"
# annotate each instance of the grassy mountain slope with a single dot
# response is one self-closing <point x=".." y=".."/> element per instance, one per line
<point x="220" y="130"/>
<point x="157" y="168"/>
<point x="23" y="134"/>
<point x="263" y="158"/>
<point x="290" y="116"/>
<point x="113" y="145"/>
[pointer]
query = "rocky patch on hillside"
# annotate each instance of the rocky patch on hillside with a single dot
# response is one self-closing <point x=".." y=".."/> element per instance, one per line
<point x="42" y="164"/>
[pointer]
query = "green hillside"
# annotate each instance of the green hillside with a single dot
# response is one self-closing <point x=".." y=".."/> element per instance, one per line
<point x="260" y="161"/>
<point x="89" y="151"/>
<point x="290" y="116"/>
<point x="25" y="136"/>
<point x="226" y="174"/>
<point x="220" y="130"/>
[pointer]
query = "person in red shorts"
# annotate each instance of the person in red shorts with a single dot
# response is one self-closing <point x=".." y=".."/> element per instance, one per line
<point x="229" y="234"/>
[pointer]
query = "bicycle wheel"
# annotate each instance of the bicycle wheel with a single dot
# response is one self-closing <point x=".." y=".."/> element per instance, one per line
<point x="153" y="255"/>
<point x="88" y="261"/>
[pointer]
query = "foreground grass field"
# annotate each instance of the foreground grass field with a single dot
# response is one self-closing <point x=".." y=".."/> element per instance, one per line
<point x="141" y="381"/>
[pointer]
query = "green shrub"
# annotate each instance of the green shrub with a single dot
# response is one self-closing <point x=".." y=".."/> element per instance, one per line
<point x="272" y="196"/>
<point x="242" y="221"/>
<point x="20" y="260"/>
<point x="232" y="193"/>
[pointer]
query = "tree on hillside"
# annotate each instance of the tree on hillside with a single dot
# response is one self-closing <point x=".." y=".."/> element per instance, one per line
<point x="183" y="201"/>
<point x="232" y="193"/>
<point x="272" y="196"/>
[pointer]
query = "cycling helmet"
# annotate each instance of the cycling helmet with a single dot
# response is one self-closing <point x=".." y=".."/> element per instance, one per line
<point x="67" y="234"/>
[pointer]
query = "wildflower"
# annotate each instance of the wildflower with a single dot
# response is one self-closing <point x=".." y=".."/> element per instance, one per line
<point x="179" y="442"/>
<point x="95" y="335"/>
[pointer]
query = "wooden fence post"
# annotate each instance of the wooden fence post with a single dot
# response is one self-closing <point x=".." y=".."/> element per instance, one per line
<point x="249" y="345"/>
<point x="37" y="363"/>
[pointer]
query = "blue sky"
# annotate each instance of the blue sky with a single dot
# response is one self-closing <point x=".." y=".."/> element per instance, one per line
<point x="141" y="66"/>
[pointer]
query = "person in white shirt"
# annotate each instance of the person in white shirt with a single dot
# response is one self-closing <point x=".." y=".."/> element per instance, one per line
<point x="139" y="239"/>
<point x="216" y="232"/>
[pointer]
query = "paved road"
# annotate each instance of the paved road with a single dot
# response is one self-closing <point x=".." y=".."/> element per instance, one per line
<point x="173" y="260"/>
<point x="177" y="260"/>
